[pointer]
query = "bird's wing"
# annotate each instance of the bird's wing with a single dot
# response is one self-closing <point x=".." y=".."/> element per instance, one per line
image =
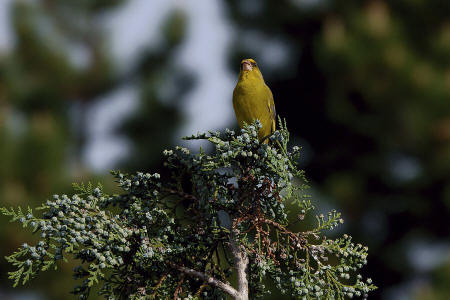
<point x="272" y="110"/>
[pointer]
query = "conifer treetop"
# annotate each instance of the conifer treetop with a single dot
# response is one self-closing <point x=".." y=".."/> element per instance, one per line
<point x="213" y="225"/>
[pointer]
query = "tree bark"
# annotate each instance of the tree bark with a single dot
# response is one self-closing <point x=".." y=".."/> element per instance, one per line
<point x="240" y="264"/>
<point x="208" y="279"/>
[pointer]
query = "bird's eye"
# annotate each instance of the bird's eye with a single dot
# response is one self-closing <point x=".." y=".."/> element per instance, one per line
<point x="254" y="64"/>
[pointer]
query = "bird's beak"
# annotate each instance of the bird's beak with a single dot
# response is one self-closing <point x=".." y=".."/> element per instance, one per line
<point x="246" y="66"/>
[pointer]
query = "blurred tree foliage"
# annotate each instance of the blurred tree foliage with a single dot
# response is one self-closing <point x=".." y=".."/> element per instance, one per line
<point x="162" y="84"/>
<point x="367" y="84"/>
<point x="60" y="64"/>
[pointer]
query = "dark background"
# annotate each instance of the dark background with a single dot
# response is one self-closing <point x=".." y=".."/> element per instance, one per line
<point x="88" y="86"/>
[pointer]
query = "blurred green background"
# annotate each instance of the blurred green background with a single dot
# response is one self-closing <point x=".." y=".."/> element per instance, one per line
<point x="89" y="86"/>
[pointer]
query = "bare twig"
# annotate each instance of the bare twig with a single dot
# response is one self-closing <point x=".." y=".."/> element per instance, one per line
<point x="160" y="282"/>
<point x="179" y="288"/>
<point x="208" y="279"/>
<point x="181" y="194"/>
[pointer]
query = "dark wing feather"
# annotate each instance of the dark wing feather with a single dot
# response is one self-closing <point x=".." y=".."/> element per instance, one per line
<point x="272" y="110"/>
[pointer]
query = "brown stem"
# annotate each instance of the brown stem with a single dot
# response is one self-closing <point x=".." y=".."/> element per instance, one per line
<point x="160" y="282"/>
<point x="178" y="289"/>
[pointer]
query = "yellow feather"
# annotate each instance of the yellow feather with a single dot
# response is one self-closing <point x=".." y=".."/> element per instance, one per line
<point x="253" y="100"/>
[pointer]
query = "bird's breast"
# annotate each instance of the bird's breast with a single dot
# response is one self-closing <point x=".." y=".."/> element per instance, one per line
<point x="248" y="103"/>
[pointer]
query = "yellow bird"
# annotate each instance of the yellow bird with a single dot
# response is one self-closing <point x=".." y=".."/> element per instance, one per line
<point x="253" y="100"/>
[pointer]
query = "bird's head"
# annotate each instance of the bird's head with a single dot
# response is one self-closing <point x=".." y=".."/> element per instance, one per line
<point x="249" y="67"/>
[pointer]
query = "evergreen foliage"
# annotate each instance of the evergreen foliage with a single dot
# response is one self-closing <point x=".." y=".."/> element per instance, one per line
<point x="216" y="219"/>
